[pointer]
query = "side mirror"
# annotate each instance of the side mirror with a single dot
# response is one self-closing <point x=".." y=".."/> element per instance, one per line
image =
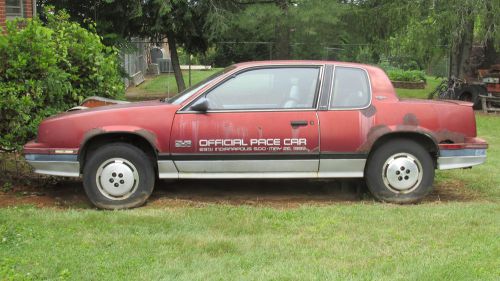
<point x="201" y="105"/>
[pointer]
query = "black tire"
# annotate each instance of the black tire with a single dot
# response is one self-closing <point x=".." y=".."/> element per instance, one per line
<point x="380" y="172"/>
<point x="471" y="93"/>
<point x="125" y="167"/>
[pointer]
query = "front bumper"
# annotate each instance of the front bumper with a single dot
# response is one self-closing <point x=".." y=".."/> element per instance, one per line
<point x="65" y="165"/>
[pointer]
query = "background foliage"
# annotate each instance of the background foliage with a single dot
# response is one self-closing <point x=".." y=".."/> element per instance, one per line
<point x="441" y="37"/>
<point x="46" y="69"/>
<point x="406" y="75"/>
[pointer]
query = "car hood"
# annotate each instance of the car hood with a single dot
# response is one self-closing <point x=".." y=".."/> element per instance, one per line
<point x="115" y="107"/>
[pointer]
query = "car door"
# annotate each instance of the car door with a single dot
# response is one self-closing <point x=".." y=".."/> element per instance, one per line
<point x="346" y="117"/>
<point x="261" y="122"/>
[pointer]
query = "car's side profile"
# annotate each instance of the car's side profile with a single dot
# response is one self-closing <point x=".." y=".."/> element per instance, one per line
<point x="274" y="119"/>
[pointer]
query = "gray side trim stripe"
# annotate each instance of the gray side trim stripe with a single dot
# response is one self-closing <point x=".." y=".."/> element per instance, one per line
<point x="167" y="170"/>
<point x="237" y="156"/>
<point x="341" y="168"/>
<point x="260" y="156"/>
<point x="247" y="166"/>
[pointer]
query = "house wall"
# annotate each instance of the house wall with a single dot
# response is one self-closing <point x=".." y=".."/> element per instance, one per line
<point x="2" y="14"/>
<point x="27" y="9"/>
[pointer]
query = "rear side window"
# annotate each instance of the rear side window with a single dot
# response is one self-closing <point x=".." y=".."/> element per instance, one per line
<point x="351" y="88"/>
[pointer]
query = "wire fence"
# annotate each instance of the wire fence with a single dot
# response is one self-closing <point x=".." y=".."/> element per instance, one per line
<point x="227" y="52"/>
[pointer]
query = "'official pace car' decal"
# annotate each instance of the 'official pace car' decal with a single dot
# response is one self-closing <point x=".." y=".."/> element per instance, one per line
<point x="241" y="145"/>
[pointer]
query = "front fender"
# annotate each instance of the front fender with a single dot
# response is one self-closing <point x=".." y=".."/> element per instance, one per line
<point x="121" y="129"/>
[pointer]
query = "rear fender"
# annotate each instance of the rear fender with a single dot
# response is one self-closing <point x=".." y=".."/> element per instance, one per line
<point x="380" y="134"/>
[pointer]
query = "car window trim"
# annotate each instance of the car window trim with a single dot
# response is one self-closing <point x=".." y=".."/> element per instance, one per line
<point x="185" y="109"/>
<point x="214" y="80"/>
<point x="349" y="108"/>
<point x="324" y="97"/>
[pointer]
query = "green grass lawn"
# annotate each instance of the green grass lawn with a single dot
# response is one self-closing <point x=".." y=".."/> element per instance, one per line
<point x="454" y="241"/>
<point x="432" y="83"/>
<point x="365" y="240"/>
<point x="164" y="85"/>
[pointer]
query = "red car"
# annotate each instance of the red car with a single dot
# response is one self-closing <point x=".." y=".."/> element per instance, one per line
<point x="273" y="119"/>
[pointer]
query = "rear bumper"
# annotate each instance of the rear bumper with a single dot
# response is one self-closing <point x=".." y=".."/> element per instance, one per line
<point x="465" y="155"/>
<point x="462" y="159"/>
<point x="65" y="165"/>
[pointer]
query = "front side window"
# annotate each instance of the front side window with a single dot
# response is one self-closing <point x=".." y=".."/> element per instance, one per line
<point x="187" y="93"/>
<point x="351" y="88"/>
<point x="14" y="8"/>
<point x="267" y="88"/>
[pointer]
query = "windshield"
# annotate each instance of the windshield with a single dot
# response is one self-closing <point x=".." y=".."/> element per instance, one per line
<point x="184" y="95"/>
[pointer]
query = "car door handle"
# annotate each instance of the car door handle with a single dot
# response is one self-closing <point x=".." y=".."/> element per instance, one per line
<point x="297" y="123"/>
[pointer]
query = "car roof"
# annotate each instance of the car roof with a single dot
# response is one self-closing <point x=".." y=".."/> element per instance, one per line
<point x="301" y="62"/>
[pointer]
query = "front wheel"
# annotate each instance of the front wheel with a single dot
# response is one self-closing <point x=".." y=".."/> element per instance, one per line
<point x="118" y="176"/>
<point x="400" y="171"/>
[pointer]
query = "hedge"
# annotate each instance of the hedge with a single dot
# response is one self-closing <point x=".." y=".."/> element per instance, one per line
<point x="46" y="68"/>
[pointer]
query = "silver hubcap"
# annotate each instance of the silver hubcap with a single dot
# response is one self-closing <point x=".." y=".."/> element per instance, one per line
<point x="402" y="173"/>
<point x="117" y="178"/>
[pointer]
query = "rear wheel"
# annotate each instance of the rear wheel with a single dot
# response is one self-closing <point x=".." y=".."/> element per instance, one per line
<point x="400" y="171"/>
<point x="118" y="176"/>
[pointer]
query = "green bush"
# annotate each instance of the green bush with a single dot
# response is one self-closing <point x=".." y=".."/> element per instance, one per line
<point x="49" y="68"/>
<point x="406" y="75"/>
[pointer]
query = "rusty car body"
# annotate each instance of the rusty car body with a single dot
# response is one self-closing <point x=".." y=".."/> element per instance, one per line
<point x="273" y="119"/>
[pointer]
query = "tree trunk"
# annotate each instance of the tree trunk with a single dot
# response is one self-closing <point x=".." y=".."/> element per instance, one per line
<point x="490" y="54"/>
<point x="461" y="49"/>
<point x="283" y="32"/>
<point x="181" y="86"/>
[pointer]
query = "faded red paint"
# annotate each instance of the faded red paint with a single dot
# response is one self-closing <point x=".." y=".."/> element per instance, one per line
<point x="151" y="120"/>
<point x="245" y="126"/>
<point x="344" y="131"/>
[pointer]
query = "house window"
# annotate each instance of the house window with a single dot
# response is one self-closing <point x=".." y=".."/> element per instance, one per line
<point x="14" y="8"/>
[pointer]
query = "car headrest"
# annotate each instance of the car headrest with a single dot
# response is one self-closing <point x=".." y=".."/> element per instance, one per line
<point x="294" y="92"/>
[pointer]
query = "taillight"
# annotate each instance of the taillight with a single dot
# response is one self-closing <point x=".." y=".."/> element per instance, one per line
<point x="451" y="146"/>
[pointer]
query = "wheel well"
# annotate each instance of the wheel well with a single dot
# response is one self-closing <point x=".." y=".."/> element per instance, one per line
<point x="95" y="142"/>
<point x="426" y="141"/>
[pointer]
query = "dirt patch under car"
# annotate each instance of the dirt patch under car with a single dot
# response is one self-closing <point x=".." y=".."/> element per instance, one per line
<point x="269" y="193"/>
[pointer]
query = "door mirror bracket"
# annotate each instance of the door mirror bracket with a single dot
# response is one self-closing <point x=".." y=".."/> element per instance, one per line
<point x="201" y="105"/>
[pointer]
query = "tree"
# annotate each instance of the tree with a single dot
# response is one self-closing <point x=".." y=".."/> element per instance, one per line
<point x="426" y="28"/>
<point x="189" y="24"/>
<point x="114" y="20"/>
<point x="300" y="29"/>
<point x="280" y="20"/>
<point x="411" y="33"/>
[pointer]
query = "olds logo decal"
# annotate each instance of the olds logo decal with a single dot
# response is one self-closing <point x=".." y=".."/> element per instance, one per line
<point x="183" y="143"/>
